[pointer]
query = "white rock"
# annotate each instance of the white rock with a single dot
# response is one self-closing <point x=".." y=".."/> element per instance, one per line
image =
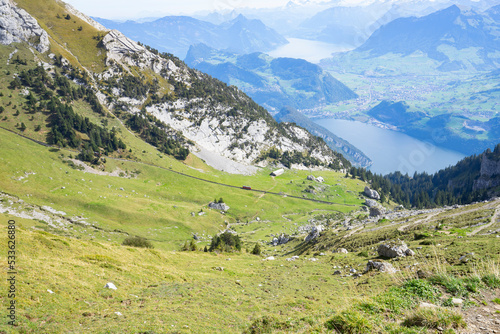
<point x="50" y="291"/>
<point x="110" y="286"/>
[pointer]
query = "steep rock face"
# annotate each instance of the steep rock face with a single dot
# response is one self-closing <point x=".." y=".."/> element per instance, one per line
<point x="489" y="173"/>
<point x="16" y="25"/>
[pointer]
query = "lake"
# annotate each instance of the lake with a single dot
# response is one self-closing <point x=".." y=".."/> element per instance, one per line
<point x="312" y="51"/>
<point x="390" y="150"/>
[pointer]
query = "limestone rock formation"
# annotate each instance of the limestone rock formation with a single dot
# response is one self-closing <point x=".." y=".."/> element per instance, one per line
<point x="315" y="232"/>
<point x="372" y="193"/>
<point x="280" y="240"/>
<point x="16" y="25"/>
<point x="391" y="251"/>
<point x="380" y="266"/>
<point x="218" y="206"/>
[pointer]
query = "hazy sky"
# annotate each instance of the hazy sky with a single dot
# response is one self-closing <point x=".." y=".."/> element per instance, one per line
<point x="156" y="8"/>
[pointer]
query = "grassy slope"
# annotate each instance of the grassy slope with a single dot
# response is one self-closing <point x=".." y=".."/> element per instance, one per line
<point x="65" y="35"/>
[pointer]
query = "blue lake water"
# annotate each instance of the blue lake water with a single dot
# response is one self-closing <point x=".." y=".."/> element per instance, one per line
<point x="390" y="150"/>
<point x="312" y="51"/>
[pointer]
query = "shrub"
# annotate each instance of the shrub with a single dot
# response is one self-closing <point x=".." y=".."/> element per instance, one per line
<point x="453" y="285"/>
<point x="137" y="242"/>
<point x="421" y="289"/>
<point x="256" y="250"/>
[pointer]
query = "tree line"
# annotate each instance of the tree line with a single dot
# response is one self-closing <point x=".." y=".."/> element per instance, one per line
<point x="449" y="186"/>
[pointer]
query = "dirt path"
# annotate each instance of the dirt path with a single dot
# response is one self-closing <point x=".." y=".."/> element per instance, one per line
<point x="493" y="221"/>
<point x="420" y="221"/>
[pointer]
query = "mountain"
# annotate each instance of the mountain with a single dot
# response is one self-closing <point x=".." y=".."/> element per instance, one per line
<point x="175" y="34"/>
<point x="338" y="144"/>
<point x="271" y="82"/>
<point x="440" y="35"/>
<point x="162" y="100"/>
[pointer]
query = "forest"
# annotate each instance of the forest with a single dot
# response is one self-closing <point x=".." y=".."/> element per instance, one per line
<point x="449" y="186"/>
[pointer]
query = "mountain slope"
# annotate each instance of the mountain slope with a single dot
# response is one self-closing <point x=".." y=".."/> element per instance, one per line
<point x="162" y="100"/>
<point x="352" y="153"/>
<point x="175" y="34"/>
<point x="271" y="82"/>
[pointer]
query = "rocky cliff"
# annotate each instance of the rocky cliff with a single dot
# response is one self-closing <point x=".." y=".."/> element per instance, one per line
<point x="489" y="173"/>
<point x="16" y="25"/>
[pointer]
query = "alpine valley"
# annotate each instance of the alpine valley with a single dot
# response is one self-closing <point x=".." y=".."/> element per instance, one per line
<point x="140" y="193"/>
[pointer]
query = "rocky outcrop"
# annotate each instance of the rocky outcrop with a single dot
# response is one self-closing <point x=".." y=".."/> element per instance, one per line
<point x="489" y="175"/>
<point x="315" y="232"/>
<point x="392" y="251"/>
<point x="371" y="193"/>
<point x="383" y="267"/>
<point x="377" y="211"/>
<point x="218" y="206"/>
<point x="16" y="26"/>
<point x="280" y="240"/>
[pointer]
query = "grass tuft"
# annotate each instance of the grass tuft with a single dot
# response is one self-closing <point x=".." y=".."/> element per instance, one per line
<point x="433" y="318"/>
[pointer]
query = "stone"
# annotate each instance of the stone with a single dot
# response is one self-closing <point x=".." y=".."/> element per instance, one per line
<point x="423" y="274"/>
<point x="218" y="206"/>
<point x="50" y="291"/>
<point x="376" y="211"/>
<point x="320" y="179"/>
<point x="371" y="193"/>
<point x="16" y="25"/>
<point x="457" y="301"/>
<point x="380" y="266"/>
<point x="465" y="258"/>
<point x="371" y="203"/>
<point x="392" y="251"/>
<point x="427" y="305"/>
<point x="353" y="271"/>
<point x="270" y="258"/>
<point x="409" y="252"/>
<point x="315" y="232"/>
<point x="280" y="240"/>
<point x="311" y="178"/>
<point x="337" y="272"/>
<point x="343" y="251"/>
<point x="110" y="286"/>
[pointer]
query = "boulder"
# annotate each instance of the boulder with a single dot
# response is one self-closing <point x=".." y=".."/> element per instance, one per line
<point x="280" y="240"/>
<point x="376" y="211"/>
<point x="371" y="203"/>
<point x="371" y="193"/>
<point x="342" y="250"/>
<point x="270" y="258"/>
<point x="311" y="178"/>
<point x="409" y="252"/>
<point x="315" y="232"/>
<point x="320" y="179"/>
<point x="110" y="286"/>
<point x="392" y="251"/>
<point x="423" y="274"/>
<point x="383" y="267"/>
<point x="218" y="206"/>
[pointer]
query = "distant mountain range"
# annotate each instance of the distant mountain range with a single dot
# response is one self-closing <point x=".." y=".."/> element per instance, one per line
<point x="441" y="35"/>
<point x="271" y="82"/>
<point x="175" y="34"/>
